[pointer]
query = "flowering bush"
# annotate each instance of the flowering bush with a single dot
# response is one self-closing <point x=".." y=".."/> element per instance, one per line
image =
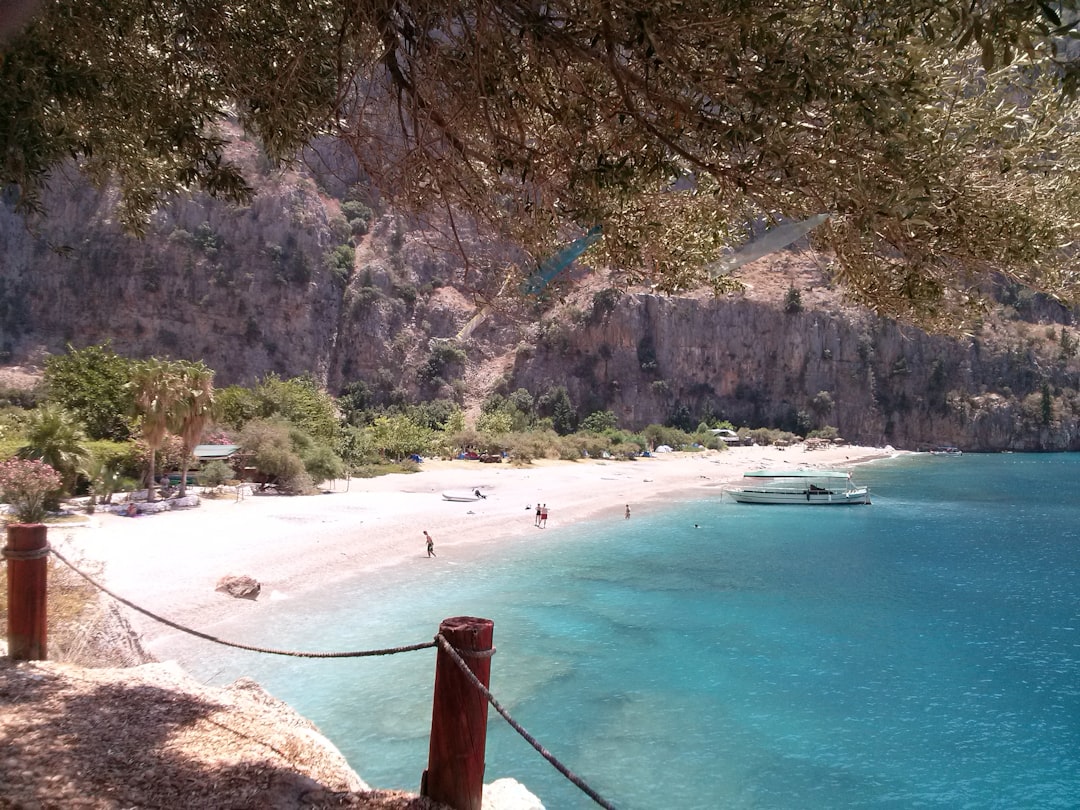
<point x="25" y="484"/>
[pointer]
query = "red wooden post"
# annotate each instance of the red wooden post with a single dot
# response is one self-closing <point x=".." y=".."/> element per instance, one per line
<point x="455" y="772"/>
<point x="27" y="554"/>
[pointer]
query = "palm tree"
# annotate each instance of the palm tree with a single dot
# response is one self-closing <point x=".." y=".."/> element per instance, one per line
<point x="56" y="437"/>
<point x="158" y="386"/>
<point x="193" y="410"/>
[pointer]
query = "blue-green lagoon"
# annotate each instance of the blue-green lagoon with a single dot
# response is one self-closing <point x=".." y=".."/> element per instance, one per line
<point x="920" y="652"/>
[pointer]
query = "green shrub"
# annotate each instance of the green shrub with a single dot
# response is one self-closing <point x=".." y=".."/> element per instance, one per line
<point x="27" y="398"/>
<point x="339" y="261"/>
<point x="323" y="464"/>
<point x="525" y="447"/>
<point x="9" y="447"/>
<point x="214" y="474"/>
<point x="656" y="435"/>
<point x="625" y="450"/>
<point x="123" y="457"/>
<point x="405" y="291"/>
<point x="358" y="216"/>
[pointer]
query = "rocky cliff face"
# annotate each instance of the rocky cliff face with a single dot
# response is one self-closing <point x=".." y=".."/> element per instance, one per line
<point x="244" y="288"/>
<point x="651" y="358"/>
<point x="289" y="285"/>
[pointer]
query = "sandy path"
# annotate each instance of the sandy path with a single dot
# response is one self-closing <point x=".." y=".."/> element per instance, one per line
<point x="170" y="563"/>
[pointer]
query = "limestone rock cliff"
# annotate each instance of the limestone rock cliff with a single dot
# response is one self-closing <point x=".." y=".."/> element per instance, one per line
<point x="290" y="285"/>
<point x="751" y="362"/>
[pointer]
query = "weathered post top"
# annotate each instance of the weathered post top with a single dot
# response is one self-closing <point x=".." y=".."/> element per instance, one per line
<point x="27" y="552"/>
<point x="455" y="773"/>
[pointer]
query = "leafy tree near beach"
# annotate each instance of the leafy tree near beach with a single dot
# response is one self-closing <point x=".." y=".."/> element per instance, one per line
<point x="236" y="406"/>
<point x="300" y="402"/>
<point x="555" y="405"/>
<point x="599" y="421"/>
<point x="215" y="473"/>
<point x="455" y="423"/>
<point x="397" y="437"/>
<point x="271" y="444"/>
<point x="356" y="448"/>
<point x="92" y="383"/>
<point x="518" y="408"/>
<point x="322" y="463"/>
<point x="940" y="135"/>
<point x="495" y="422"/>
<point x="436" y="414"/>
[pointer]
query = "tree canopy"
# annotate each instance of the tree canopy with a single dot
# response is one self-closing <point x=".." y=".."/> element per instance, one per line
<point x="940" y="136"/>
<point x="92" y="383"/>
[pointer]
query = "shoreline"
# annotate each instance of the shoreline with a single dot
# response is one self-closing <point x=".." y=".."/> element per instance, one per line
<point x="170" y="563"/>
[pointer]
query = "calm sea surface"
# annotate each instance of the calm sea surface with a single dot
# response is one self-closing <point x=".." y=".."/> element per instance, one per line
<point x="922" y="652"/>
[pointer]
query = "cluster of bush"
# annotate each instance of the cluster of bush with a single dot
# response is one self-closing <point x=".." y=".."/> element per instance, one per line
<point x="86" y="424"/>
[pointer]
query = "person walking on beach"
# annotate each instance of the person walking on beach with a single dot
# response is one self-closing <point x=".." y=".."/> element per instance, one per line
<point x="627" y="511"/>
<point x="543" y="516"/>
<point x="430" y="545"/>
<point x="538" y="510"/>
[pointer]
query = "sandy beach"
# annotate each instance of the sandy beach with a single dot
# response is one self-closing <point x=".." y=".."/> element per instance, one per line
<point x="170" y="563"/>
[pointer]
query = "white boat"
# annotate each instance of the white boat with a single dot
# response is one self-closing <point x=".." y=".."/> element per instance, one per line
<point x="946" y="450"/>
<point x="799" y="487"/>
<point x="462" y="496"/>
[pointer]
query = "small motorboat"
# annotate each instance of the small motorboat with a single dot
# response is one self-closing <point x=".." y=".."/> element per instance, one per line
<point x="463" y="496"/>
<point x="799" y="487"/>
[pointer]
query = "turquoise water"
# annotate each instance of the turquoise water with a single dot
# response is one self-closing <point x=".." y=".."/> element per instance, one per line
<point x="920" y="652"/>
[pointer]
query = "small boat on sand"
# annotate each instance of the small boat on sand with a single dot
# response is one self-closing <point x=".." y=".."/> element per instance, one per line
<point x="463" y="496"/>
<point x="800" y="488"/>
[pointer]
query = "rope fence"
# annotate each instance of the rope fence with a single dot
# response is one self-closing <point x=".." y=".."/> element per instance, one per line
<point x="530" y="739"/>
<point x="439" y="642"/>
<point x="234" y="644"/>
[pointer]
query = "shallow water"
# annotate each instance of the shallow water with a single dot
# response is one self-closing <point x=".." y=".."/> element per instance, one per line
<point x="920" y="652"/>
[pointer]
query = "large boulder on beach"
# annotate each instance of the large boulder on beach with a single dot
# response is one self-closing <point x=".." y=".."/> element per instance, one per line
<point x="239" y="587"/>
